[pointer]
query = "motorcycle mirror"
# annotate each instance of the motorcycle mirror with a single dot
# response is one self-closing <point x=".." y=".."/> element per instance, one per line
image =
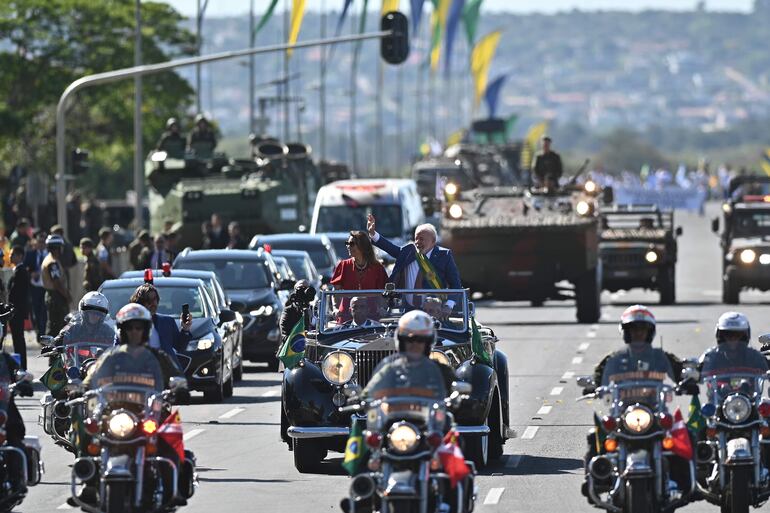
<point x="764" y="339"/>
<point x="690" y="363"/>
<point x="45" y="340"/>
<point x="462" y="387"/>
<point x="351" y="390"/>
<point x="585" y="381"/>
<point x="689" y="373"/>
<point x="177" y="383"/>
<point x="22" y="375"/>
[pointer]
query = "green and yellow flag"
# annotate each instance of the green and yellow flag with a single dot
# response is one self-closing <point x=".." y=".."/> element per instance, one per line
<point x="55" y="378"/>
<point x="297" y="12"/>
<point x="477" y="345"/>
<point x="481" y="59"/>
<point x="531" y="141"/>
<point x="429" y="272"/>
<point x="765" y="162"/>
<point x="293" y="349"/>
<point x="354" y="449"/>
<point x="266" y="17"/>
<point x="695" y="421"/>
<point x="438" y="22"/>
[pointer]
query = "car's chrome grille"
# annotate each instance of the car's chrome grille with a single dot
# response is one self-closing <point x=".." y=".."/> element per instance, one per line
<point x="366" y="361"/>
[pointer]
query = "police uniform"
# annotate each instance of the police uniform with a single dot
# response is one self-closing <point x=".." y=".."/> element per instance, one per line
<point x="56" y="304"/>
<point x="628" y="361"/>
<point x="722" y="358"/>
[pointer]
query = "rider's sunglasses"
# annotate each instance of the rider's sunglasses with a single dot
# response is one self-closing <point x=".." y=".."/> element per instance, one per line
<point x="133" y="327"/>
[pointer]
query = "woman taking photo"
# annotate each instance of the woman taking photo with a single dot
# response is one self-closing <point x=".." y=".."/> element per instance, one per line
<point x="361" y="271"/>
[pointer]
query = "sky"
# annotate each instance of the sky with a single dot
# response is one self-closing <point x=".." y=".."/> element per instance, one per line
<point x="234" y="7"/>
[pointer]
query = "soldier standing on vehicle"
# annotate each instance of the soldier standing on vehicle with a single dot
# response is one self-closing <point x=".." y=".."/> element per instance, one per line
<point x="172" y="141"/>
<point x="57" y="296"/>
<point x="546" y="167"/>
<point x="202" y="139"/>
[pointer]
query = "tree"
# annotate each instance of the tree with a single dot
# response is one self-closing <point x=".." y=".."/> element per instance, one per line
<point x="624" y="149"/>
<point x="47" y="44"/>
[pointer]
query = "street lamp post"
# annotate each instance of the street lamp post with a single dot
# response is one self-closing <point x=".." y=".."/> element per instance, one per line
<point x="138" y="174"/>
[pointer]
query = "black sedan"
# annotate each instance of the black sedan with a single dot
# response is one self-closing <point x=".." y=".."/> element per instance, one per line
<point x="250" y="280"/>
<point x="207" y="360"/>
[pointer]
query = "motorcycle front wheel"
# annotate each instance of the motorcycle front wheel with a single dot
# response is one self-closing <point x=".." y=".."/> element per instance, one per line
<point x="738" y="493"/>
<point x="118" y="497"/>
<point x="638" y="496"/>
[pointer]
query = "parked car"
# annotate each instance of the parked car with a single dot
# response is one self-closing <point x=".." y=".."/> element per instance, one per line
<point x="319" y="247"/>
<point x="250" y="279"/>
<point x="301" y="265"/>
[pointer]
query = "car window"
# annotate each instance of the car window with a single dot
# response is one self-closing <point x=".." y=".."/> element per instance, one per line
<point x="344" y="218"/>
<point x="299" y="266"/>
<point x="171" y="300"/>
<point x="317" y="251"/>
<point x="233" y="274"/>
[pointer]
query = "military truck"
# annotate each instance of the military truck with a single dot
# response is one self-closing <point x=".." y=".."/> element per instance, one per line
<point x="745" y="237"/>
<point x="638" y="248"/>
<point x="518" y="243"/>
<point x="271" y="191"/>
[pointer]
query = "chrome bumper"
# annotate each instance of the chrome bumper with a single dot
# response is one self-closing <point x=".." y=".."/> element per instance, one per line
<point x="317" y="432"/>
<point x="473" y="430"/>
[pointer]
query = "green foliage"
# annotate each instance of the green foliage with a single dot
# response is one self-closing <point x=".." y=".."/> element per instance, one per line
<point x="47" y="44"/>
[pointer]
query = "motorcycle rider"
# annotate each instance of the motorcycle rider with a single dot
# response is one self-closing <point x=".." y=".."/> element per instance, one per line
<point x="732" y="352"/>
<point x="89" y="324"/>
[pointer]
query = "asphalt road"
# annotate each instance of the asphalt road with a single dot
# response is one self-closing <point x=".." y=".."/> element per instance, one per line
<point x="244" y="466"/>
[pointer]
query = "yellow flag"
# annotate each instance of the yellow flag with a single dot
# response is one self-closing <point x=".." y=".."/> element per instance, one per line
<point x="765" y="162"/>
<point x="438" y="21"/>
<point x="531" y="141"/>
<point x="481" y="58"/>
<point x="389" y="6"/>
<point x="297" y="12"/>
<point x="455" y="137"/>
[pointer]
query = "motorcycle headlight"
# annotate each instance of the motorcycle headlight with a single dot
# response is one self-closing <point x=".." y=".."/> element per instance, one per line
<point x="439" y="357"/>
<point x="122" y="424"/>
<point x="736" y="408"/>
<point x="262" y="311"/>
<point x="338" y="367"/>
<point x="403" y="437"/>
<point x="201" y="344"/>
<point x="637" y="419"/>
<point x="748" y="256"/>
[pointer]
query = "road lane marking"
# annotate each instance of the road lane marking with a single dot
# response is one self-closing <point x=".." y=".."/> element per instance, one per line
<point x="493" y="497"/>
<point x="65" y="506"/>
<point x="557" y="390"/>
<point x="192" y="434"/>
<point x="529" y="433"/>
<point x="577" y="360"/>
<point x="513" y="461"/>
<point x="583" y="347"/>
<point x="591" y="334"/>
<point x="232" y="413"/>
<point x="594" y="327"/>
<point x="568" y="375"/>
<point x="270" y="393"/>
<point x="544" y="410"/>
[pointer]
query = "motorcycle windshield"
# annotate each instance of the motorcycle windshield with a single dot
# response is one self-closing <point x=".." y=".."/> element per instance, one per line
<point x="414" y="409"/>
<point x="135" y="398"/>
<point x="401" y="377"/>
<point x="76" y="354"/>
<point x="614" y="398"/>
<point x="121" y="366"/>
<point x="721" y="385"/>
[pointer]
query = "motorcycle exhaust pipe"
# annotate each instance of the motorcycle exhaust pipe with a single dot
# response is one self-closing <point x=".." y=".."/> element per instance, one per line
<point x="84" y="468"/>
<point x="600" y="467"/>
<point x="704" y="452"/>
<point x="61" y="410"/>
<point x="362" y="487"/>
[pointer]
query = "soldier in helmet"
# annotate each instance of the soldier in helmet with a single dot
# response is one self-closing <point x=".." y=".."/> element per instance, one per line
<point x="546" y="167"/>
<point x="172" y="141"/>
<point x="202" y="139"/>
<point x="57" y="295"/>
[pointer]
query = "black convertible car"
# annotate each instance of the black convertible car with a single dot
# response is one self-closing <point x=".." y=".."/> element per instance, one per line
<point x="343" y="350"/>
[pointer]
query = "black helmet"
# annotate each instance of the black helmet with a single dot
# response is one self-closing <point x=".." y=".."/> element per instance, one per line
<point x="303" y="291"/>
<point x="53" y="241"/>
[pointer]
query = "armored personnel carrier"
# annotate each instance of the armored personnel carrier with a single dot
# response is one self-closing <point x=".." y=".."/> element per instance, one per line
<point x="517" y="243"/>
<point x="272" y="191"/>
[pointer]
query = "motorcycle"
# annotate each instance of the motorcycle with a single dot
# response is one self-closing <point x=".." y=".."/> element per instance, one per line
<point x="732" y="460"/>
<point x="405" y="437"/>
<point x="120" y="457"/>
<point x="632" y="470"/>
<point x="74" y="360"/>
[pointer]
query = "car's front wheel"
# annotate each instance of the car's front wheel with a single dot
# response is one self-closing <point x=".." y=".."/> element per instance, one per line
<point x="217" y="394"/>
<point x="307" y="455"/>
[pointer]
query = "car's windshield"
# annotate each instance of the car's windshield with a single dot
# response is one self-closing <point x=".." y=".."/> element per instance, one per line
<point x="646" y="221"/>
<point x="171" y="299"/>
<point x="344" y="218"/>
<point x="301" y="267"/>
<point x="352" y="309"/>
<point x="751" y="223"/>
<point x="319" y="254"/>
<point x="233" y="274"/>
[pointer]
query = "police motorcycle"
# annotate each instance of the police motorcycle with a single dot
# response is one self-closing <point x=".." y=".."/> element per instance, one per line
<point x="119" y="431"/>
<point x="632" y="471"/>
<point x="80" y="344"/>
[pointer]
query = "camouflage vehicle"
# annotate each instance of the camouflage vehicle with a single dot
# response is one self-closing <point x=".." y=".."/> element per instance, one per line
<point x="745" y="237"/>
<point x="518" y="243"/>
<point x="638" y="248"/>
<point x="273" y="191"/>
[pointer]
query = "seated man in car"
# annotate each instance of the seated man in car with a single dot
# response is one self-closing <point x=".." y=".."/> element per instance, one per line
<point x="362" y="311"/>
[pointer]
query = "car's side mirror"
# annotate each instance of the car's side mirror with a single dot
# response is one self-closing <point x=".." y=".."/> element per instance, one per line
<point x="177" y="383"/>
<point x="585" y="381"/>
<point x="226" y="316"/>
<point x="715" y="225"/>
<point x="462" y="387"/>
<point x="679" y="231"/>
<point x="394" y="47"/>
<point x="286" y="285"/>
<point x="237" y="306"/>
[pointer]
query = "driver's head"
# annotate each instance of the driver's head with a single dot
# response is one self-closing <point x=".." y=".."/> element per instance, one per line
<point x="733" y="329"/>
<point x="146" y="295"/>
<point x="358" y="309"/>
<point x="637" y="324"/>
<point x="415" y="334"/>
<point x="134" y="323"/>
<point x="94" y="307"/>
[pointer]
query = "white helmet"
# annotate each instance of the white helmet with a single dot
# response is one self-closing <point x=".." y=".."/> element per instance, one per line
<point x="94" y="301"/>
<point x="416" y="325"/>
<point x="133" y="312"/>
<point x="637" y="314"/>
<point x="733" y="321"/>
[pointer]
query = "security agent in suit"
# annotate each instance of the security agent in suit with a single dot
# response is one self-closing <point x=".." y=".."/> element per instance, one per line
<point x="296" y="306"/>
<point x="18" y="297"/>
<point x="164" y="333"/>
<point x="406" y="270"/>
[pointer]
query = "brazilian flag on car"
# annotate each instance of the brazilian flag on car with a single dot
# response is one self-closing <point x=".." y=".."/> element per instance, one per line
<point x="55" y="378"/>
<point x="293" y="349"/>
<point x="354" y="449"/>
<point x="477" y="345"/>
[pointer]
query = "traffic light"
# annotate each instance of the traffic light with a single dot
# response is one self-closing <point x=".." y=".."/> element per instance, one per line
<point x="80" y="162"/>
<point x="394" y="48"/>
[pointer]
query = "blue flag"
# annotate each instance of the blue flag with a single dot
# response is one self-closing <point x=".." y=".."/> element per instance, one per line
<point x="416" y="6"/>
<point x="492" y="94"/>
<point x="453" y="22"/>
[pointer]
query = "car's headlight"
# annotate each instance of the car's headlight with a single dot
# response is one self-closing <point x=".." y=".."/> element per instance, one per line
<point x="263" y="310"/>
<point x="201" y="344"/>
<point x="637" y="419"/>
<point x="338" y="367"/>
<point x="439" y="357"/>
<point x="590" y="186"/>
<point x="748" y="256"/>
<point x="651" y="256"/>
<point x="736" y="408"/>
<point x="455" y="211"/>
<point x="451" y="189"/>
<point x="584" y="208"/>
<point x="403" y="437"/>
<point x="122" y="424"/>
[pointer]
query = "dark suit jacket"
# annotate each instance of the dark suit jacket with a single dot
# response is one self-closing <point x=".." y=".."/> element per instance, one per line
<point x="172" y="339"/>
<point x="441" y="258"/>
<point x="18" y="291"/>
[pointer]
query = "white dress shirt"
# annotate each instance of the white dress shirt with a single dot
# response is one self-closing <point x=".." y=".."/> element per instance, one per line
<point x="154" y="338"/>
